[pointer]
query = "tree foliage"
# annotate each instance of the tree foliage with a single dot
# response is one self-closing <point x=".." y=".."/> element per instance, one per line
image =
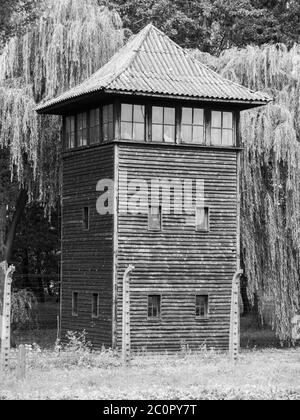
<point x="15" y="17"/>
<point x="213" y="25"/>
<point x="69" y="40"/>
<point x="270" y="176"/>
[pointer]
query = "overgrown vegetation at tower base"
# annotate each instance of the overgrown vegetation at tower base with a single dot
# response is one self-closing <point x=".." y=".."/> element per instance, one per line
<point x="70" y="374"/>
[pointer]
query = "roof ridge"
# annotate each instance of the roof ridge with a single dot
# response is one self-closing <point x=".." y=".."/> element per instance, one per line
<point x="126" y="65"/>
<point x="150" y="54"/>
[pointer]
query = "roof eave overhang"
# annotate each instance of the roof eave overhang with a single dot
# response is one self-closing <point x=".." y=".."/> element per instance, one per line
<point x="66" y="106"/>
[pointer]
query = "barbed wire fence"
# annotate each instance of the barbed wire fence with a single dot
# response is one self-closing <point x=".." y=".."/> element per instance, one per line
<point x="35" y="310"/>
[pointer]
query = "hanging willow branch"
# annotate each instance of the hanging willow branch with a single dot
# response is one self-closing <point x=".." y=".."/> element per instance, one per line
<point x="270" y="181"/>
<point x="70" y="40"/>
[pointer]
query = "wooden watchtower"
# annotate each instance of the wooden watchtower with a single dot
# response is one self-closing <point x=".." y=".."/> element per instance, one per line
<point x="153" y="115"/>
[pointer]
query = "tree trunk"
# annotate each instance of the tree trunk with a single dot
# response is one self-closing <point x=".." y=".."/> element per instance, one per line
<point x="2" y="230"/>
<point x="39" y="280"/>
<point x="246" y="303"/>
<point x="21" y="203"/>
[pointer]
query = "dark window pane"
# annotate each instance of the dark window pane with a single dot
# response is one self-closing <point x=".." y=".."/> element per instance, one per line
<point x="110" y="113"/>
<point x="201" y="306"/>
<point x="94" y="117"/>
<point x="216" y="136"/>
<point x="105" y="132"/>
<point x="95" y="134"/>
<point x="126" y="112"/>
<point x="72" y="140"/>
<point x="105" y="114"/>
<point x="187" y="115"/>
<point x="227" y="138"/>
<point x="227" y="120"/>
<point x="126" y="130"/>
<point x="74" y="303"/>
<point x="169" y="134"/>
<point x="154" y="306"/>
<point x="79" y="121"/>
<point x="86" y="218"/>
<point x="79" y="138"/>
<point x="169" y="116"/>
<point x="216" y="119"/>
<point x="84" y="120"/>
<point x="157" y="132"/>
<point x="138" y="131"/>
<point x="95" y="305"/>
<point x="186" y="133"/>
<point x="139" y="113"/>
<point x="110" y="131"/>
<point x="72" y="128"/>
<point x="84" y="137"/>
<point x="108" y="125"/>
<point x="198" y="134"/>
<point x="157" y="114"/>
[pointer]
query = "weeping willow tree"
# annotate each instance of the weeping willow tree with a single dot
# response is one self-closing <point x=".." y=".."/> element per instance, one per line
<point x="68" y="41"/>
<point x="270" y="183"/>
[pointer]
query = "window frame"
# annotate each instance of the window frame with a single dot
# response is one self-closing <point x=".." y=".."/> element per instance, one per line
<point x="86" y="128"/>
<point x="148" y="124"/>
<point x="75" y="313"/>
<point x="154" y="318"/>
<point x="132" y="122"/>
<point x="161" y="218"/>
<point x="67" y="147"/>
<point x="84" y="226"/>
<point x="208" y="218"/>
<point x="207" y="314"/>
<point x="99" y="108"/>
<point x="163" y="106"/>
<point x="192" y="125"/>
<point x="97" y="305"/>
<point x="114" y="116"/>
<point x="234" y="127"/>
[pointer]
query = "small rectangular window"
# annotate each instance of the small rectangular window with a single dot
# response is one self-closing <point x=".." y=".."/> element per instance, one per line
<point x="108" y="122"/>
<point x="202" y="306"/>
<point x="70" y="132"/>
<point x="86" y="218"/>
<point x="75" y="304"/>
<point x="202" y="218"/>
<point x="192" y="125"/>
<point x="163" y="124"/>
<point x="82" y="129"/>
<point x="95" y="126"/>
<point x="222" y="128"/>
<point x="95" y="305"/>
<point x="132" y="122"/>
<point x="154" y="218"/>
<point x="154" y="302"/>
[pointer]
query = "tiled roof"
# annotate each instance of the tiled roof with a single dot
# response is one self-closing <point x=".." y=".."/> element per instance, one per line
<point x="151" y="63"/>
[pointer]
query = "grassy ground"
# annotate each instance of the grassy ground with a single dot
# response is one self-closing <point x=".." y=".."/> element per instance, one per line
<point x="265" y="374"/>
<point x="264" y="371"/>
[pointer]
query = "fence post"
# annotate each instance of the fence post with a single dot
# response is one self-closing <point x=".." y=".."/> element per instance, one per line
<point x="126" y="317"/>
<point x="234" y="337"/>
<point x="21" y="369"/>
<point x="5" y="331"/>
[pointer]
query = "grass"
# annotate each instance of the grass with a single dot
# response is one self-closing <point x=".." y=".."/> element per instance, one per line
<point x="263" y="371"/>
<point x="259" y="374"/>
